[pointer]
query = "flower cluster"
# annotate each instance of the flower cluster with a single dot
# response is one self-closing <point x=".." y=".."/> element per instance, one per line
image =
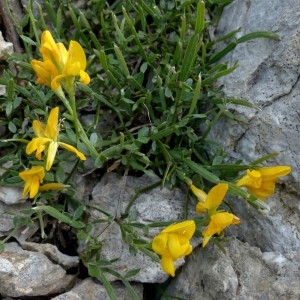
<point x="57" y="70"/>
<point x="173" y="241"/>
<point x="60" y="66"/>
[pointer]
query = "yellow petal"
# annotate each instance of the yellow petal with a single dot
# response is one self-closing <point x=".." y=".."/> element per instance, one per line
<point x="34" y="187"/>
<point x="159" y="244"/>
<point x="52" y="186"/>
<point x="52" y="128"/>
<point x="201" y="208"/>
<point x="217" y="224"/>
<point x="55" y="83"/>
<point x="76" y="55"/>
<point x="84" y="77"/>
<point x="52" y="149"/>
<point x="44" y="72"/>
<point x="270" y="173"/>
<point x="49" y="49"/>
<point x="174" y="246"/>
<point x="72" y="149"/>
<point x="36" y="143"/>
<point x="253" y="178"/>
<point x="201" y="195"/>
<point x="168" y="265"/>
<point x="38" y="128"/>
<point x="216" y="195"/>
<point x="185" y="228"/>
<point x="36" y="170"/>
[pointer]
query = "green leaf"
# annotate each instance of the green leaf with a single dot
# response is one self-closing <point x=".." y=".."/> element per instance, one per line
<point x="59" y="216"/>
<point x="201" y="171"/>
<point x="28" y="40"/>
<point x="190" y="56"/>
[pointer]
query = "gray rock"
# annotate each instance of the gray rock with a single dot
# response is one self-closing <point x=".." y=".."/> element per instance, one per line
<point x="5" y="47"/>
<point x="11" y="195"/>
<point x="53" y="254"/>
<point x="24" y="273"/>
<point x="242" y="273"/>
<point x="7" y="214"/>
<point x="112" y="194"/>
<point x="90" y="289"/>
<point x="268" y="77"/>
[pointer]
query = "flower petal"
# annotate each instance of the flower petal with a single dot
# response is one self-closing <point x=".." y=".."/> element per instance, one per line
<point x="84" y="77"/>
<point x="159" y="244"/>
<point x="52" y="128"/>
<point x="174" y="246"/>
<point x="35" y="143"/>
<point x="52" y="149"/>
<point x="201" y="195"/>
<point x="270" y="173"/>
<point x="72" y="149"/>
<point x="52" y="186"/>
<point x="216" y="195"/>
<point x="185" y="228"/>
<point x="168" y="265"/>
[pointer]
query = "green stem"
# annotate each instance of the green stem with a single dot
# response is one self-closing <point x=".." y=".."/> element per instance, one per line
<point x="78" y="127"/>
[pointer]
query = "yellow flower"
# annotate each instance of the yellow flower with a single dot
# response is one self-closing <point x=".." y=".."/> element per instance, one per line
<point x="261" y="182"/>
<point x="210" y="202"/>
<point x="172" y="243"/>
<point x="32" y="177"/>
<point x="60" y="66"/>
<point x="48" y="140"/>
<point x="218" y="222"/>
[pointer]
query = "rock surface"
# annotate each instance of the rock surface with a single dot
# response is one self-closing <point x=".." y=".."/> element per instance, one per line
<point x="155" y="205"/>
<point x="90" y="289"/>
<point x="25" y="274"/>
<point x="242" y="273"/>
<point x="268" y="77"/>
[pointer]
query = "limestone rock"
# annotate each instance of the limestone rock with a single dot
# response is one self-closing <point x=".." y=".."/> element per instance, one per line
<point x="268" y="77"/>
<point x="5" y="47"/>
<point x="7" y="213"/>
<point x="92" y="289"/>
<point x="53" y="254"/>
<point x="25" y="274"/>
<point x="243" y="272"/>
<point x="11" y="195"/>
<point x="155" y="205"/>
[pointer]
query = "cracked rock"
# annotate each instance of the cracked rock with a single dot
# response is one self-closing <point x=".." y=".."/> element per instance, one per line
<point x="243" y="272"/>
<point x="113" y="194"/>
<point x="25" y="274"/>
<point x="89" y="289"/>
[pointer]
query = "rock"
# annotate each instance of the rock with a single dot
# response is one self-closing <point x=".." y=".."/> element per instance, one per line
<point x="7" y="213"/>
<point x="92" y="289"/>
<point x="5" y="47"/>
<point x="155" y="205"/>
<point x="53" y="254"/>
<point x="11" y="195"/>
<point x="268" y="77"/>
<point x="243" y="272"/>
<point x="26" y="274"/>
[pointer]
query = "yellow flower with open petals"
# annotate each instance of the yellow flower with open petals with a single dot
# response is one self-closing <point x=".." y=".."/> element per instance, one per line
<point x="32" y="177"/>
<point x="173" y="243"/>
<point x="210" y="202"/>
<point x="60" y="66"/>
<point x="218" y="222"/>
<point x="261" y="182"/>
<point x="47" y="140"/>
